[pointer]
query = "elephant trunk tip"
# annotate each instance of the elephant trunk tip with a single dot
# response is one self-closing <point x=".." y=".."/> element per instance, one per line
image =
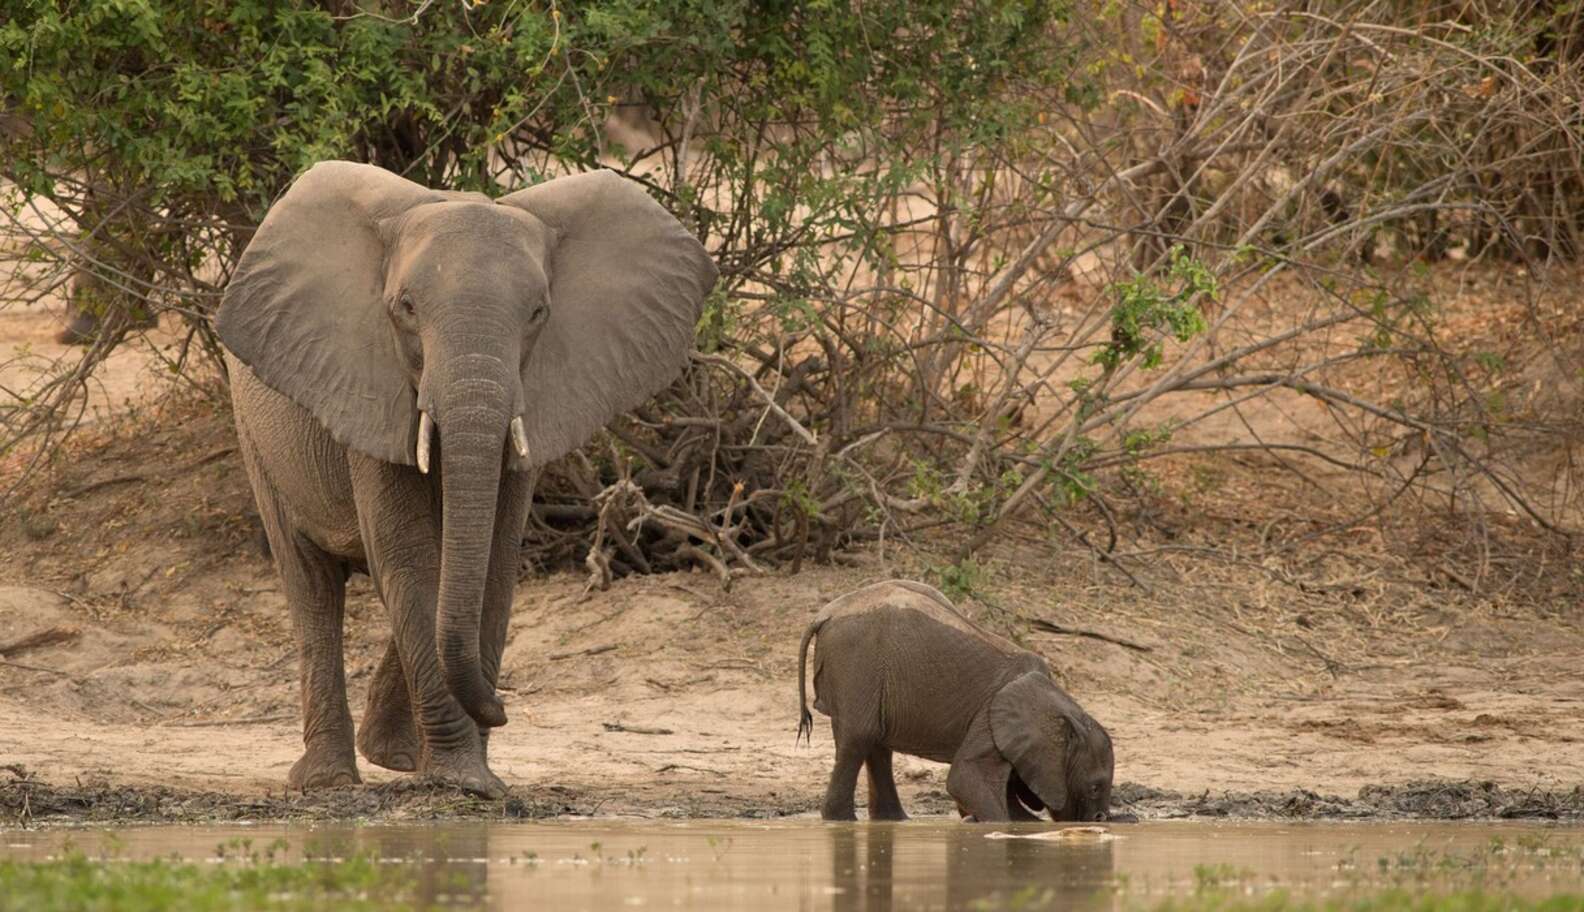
<point x="475" y="694"/>
<point x="491" y="713"/>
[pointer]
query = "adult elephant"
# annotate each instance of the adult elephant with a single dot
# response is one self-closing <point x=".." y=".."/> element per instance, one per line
<point x="400" y="359"/>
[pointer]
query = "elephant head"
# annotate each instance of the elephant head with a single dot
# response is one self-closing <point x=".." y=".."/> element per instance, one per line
<point x="1059" y="755"/>
<point x="396" y="314"/>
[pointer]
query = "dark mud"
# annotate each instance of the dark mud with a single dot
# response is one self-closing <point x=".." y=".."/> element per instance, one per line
<point x="29" y="801"/>
<point x="1430" y="799"/>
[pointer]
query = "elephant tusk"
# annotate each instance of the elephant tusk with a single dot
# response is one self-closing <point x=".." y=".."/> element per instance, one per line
<point x="519" y="437"/>
<point x="425" y="431"/>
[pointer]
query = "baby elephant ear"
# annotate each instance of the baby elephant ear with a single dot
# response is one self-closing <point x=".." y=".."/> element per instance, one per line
<point x="1032" y="732"/>
<point x="305" y="308"/>
<point x="627" y="285"/>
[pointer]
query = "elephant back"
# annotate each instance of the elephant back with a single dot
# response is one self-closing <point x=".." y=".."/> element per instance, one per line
<point x="933" y="669"/>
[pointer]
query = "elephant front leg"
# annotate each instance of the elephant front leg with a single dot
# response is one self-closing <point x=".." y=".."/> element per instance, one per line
<point x="399" y="521"/>
<point x="979" y="784"/>
<point x="511" y="514"/>
<point x="450" y="749"/>
<point x="315" y="587"/>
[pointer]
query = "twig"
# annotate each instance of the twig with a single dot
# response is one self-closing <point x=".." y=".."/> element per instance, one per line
<point x="701" y="679"/>
<point x="597" y="621"/>
<point x="1046" y="626"/>
<point x="138" y="476"/>
<point x="636" y="729"/>
<point x="796" y="425"/>
<point x="591" y="651"/>
<point x="53" y="671"/>
<point x="683" y="766"/>
<point x="50" y="636"/>
<point x="1331" y="665"/>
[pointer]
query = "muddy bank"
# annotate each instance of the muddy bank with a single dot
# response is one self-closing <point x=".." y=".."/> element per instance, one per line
<point x="27" y="802"/>
<point x="30" y="802"/>
<point x="1431" y="799"/>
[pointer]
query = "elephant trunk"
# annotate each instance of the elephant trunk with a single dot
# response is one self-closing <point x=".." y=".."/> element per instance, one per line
<point x="474" y="405"/>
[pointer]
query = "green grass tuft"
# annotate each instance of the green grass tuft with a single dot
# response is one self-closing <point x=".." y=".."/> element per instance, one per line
<point x="77" y="882"/>
<point x="1394" y="900"/>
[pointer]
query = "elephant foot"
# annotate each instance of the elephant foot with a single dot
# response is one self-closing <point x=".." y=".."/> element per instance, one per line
<point x="463" y="771"/>
<point x="317" y="769"/>
<point x="888" y="814"/>
<point x="838" y="813"/>
<point x="390" y="740"/>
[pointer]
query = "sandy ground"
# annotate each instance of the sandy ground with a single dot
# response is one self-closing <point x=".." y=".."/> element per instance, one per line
<point x="199" y="692"/>
<point x="667" y="695"/>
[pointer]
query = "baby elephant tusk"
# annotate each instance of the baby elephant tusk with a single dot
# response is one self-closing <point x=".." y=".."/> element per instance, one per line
<point x="519" y="437"/>
<point x="425" y="431"/>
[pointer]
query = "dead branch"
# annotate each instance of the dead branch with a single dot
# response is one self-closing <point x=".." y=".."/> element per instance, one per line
<point x="1050" y="627"/>
<point x="49" y="636"/>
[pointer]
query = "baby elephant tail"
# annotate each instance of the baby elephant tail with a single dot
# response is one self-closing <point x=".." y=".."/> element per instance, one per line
<point x="806" y="718"/>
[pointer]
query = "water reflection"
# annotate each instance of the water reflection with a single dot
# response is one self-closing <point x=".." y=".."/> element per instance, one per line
<point x="450" y="862"/>
<point x="862" y="885"/>
<point x="1025" y="873"/>
<point x="880" y="866"/>
<point x="810" y="866"/>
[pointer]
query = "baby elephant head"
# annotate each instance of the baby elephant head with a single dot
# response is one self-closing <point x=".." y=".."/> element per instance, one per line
<point x="500" y="334"/>
<point x="1060" y="756"/>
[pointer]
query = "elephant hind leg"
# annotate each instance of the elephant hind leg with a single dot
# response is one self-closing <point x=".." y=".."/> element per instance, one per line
<point x="843" y="781"/>
<point x="388" y="736"/>
<point x="884" y="802"/>
<point x="314" y="583"/>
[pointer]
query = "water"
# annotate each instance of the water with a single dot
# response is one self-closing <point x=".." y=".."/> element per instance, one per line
<point x="925" y="864"/>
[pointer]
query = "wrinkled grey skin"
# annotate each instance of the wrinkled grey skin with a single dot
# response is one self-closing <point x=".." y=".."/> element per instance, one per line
<point x="366" y="301"/>
<point x="897" y="668"/>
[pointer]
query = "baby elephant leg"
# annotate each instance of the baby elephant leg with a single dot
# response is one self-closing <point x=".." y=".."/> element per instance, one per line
<point x="884" y="802"/>
<point x="978" y="784"/>
<point x="844" y="780"/>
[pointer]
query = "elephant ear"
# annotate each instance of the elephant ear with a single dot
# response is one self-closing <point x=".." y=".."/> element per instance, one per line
<point x="305" y="308"/>
<point x="1032" y="732"/>
<point x="627" y="285"/>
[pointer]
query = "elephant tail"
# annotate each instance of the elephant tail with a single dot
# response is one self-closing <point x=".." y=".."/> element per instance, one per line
<point x="806" y="718"/>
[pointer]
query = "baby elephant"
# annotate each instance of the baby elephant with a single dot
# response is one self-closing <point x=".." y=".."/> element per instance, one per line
<point x="897" y="668"/>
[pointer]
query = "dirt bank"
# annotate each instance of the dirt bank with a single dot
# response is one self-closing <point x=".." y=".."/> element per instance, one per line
<point x="27" y="801"/>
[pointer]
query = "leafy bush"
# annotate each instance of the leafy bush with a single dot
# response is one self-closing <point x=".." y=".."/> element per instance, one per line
<point x="968" y="249"/>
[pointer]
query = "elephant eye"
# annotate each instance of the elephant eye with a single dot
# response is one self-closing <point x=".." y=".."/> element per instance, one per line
<point x="538" y="313"/>
<point x="407" y="304"/>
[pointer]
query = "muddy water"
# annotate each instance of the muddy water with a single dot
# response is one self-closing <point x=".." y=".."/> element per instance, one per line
<point x="925" y="864"/>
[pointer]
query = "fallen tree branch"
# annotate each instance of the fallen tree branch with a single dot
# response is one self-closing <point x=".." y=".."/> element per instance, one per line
<point x="50" y="636"/>
<point x="591" y="651"/>
<point x="1045" y="626"/>
<point x="138" y="476"/>
<point x="635" y="729"/>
